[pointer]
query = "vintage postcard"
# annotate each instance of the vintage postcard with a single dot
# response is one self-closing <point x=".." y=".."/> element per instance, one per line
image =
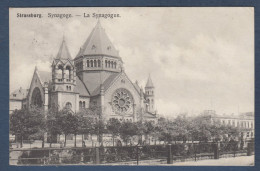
<point x="163" y="86"/>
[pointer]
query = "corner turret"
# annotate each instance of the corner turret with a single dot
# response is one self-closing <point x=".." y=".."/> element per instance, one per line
<point x="149" y="95"/>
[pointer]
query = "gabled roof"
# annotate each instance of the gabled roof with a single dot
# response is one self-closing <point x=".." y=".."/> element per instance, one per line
<point x="19" y="94"/>
<point x="98" y="43"/>
<point x="81" y="88"/>
<point x="149" y="82"/>
<point x="44" y="76"/>
<point x="63" y="51"/>
<point x="106" y="83"/>
<point x="137" y="87"/>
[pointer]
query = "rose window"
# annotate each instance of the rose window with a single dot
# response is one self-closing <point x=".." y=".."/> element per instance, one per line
<point x="122" y="101"/>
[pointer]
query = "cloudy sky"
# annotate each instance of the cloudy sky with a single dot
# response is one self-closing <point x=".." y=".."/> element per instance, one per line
<point x="199" y="58"/>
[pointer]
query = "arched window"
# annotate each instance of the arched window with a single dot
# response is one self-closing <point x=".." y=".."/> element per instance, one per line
<point x="115" y="65"/>
<point x="106" y="63"/>
<point x="68" y="73"/>
<point x="68" y="105"/>
<point x="60" y="73"/>
<point x="112" y="64"/>
<point x="152" y="101"/>
<point x="95" y="63"/>
<point x="36" y="97"/>
<point x="91" y="63"/>
<point x="148" y="101"/>
<point x="84" y="105"/>
<point x="99" y="63"/>
<point x="80" y="104"/>
<point x="87" y="63"/>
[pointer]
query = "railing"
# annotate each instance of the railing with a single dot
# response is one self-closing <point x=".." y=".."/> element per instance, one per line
<point x="160" y="154"/>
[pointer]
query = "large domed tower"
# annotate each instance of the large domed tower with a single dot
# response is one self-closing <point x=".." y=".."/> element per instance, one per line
<point x="97" y="55"/>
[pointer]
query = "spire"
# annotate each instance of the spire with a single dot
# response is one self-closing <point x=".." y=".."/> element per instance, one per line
<point x="63" y="51"/>
<point x="149" y="82"/>
<point x="98" y="43"/>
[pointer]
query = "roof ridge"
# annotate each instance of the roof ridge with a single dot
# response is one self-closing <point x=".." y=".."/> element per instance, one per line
<point x="98" y="43"/>
<point x="84" y="85"/>
<point x="39" y="75"/>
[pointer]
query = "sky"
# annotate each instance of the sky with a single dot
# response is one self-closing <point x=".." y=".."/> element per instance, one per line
<point x="198" y="58"/>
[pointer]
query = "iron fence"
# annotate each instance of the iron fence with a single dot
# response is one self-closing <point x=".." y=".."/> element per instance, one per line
<point x="132" y="154"/>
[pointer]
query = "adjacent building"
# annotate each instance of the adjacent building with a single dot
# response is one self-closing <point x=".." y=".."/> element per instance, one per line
<point x="245" y="121"/>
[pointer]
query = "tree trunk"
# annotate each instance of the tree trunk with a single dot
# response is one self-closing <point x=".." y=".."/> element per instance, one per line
<point x="21" y="143"/>
<point x="75" y="141"/>
<point x="65" y="140"/>
<point x="113" y="141"/>
<point x="82" y="137"/>
<point x="101" y="139"/>
<point x="43" y="141"/>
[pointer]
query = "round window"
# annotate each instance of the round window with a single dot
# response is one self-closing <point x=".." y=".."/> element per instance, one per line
<point x="122" y="101"/>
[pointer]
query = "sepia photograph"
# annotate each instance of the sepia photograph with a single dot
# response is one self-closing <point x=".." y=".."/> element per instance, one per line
<point x="153" y="86"/>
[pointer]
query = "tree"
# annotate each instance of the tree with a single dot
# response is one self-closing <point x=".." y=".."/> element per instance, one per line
<point x="75" y="126"/>
<point x="99" y="130"/>
<point x="52" y="125"/>
<point x="180" y="125"/>
<point x="68" y="123"/>
<point x="29" y="124"/>
<point x="99" y="124"/>
<point x="232" y="131"/>
<point x="19" y="120"/>
<point x="217" y="131"/>
<point x="113" y="127"/>
<point x="37" y="124"/>
<point x="86" y="119"/>
<point x="203" y="124"/>
<point x="167" y="130"/>
<point x="127" y="131"/>
<point x="157" y="132"/>
<point x="140" y="131"/>
<point x="148" y="129"/>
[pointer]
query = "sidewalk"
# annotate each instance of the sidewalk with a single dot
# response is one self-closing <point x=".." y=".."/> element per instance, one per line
<point x="237" y="161"/>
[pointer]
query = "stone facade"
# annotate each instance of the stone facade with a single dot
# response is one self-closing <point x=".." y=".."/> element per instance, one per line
<point x="243" y="120"/>
<point x="94" y="78"/>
